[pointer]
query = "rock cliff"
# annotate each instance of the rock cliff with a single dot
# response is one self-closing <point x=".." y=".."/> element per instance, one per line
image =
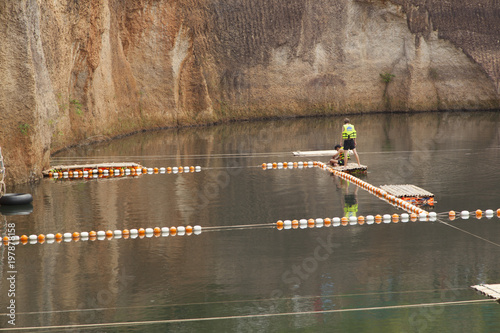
<point x="78" y="71"/>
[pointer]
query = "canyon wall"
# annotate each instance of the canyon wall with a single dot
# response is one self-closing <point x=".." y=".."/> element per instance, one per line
<point x="73" y="72"/>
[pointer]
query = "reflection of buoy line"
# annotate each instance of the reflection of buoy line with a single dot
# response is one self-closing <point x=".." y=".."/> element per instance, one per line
<point x="9" y="199"/>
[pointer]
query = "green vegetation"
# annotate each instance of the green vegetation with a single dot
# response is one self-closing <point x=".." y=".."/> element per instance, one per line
<point x="77" y="105"/>
<point x="24" y="128"/>
<point x="387" y="77"/>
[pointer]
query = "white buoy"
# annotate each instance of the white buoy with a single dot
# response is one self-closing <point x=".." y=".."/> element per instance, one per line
<point x="186" y="169"/>
<point x="336" y="221"/>
<point x="165" y="230"/>
<point x="49" y="236"/>
<point x="319" y="222"/>
<point x="33" y="237"/>
<point x="405" y="217"/>
<point x="67" y="235"/>
<point x="303" y="222"/>
<point x="82" y="234"/>
<point x="353" y="220"/>
<point x="386" y="217"/>
<point x="197" y="229"/>
<point x="149" y="230"/>
<point x="489" y="213"/>
<point x="162" y="170"/>
<point x="280" y="165"/>
<point x="287" y="223"/>
<point x="101" y="233"/>
<point x="127" y="171"/>
<point x="197" y="168"/>
<point x="290" y="165"/>
<point x="117" y="233"/>
<point x="464" y="214"/>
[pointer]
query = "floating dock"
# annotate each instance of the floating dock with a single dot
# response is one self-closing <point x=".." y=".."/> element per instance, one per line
<point x="410" y="193"/>
<point x="490" y="290"/>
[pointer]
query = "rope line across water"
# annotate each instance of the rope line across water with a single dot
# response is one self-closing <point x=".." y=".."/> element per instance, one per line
<point x="261" y="315"/>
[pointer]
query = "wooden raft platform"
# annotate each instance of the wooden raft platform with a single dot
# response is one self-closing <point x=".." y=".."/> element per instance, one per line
<point x="94" y="166"/>
<point x="410" y="193"/>
<point x="351" y="168"/>
<point x="490" y="290"/>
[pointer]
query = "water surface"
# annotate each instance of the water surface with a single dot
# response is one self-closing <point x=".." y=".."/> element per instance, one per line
<point x="388" y="277"/>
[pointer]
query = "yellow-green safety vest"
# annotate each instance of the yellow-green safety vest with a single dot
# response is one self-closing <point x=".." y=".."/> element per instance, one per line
<point x="348" y="131"/>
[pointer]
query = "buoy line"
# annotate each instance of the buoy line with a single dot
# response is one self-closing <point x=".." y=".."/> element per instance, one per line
<point x="280" y="225"/>
<point x="102" y="235"/>
<point x="250" y="316"/>
<point x="116" y="172"/>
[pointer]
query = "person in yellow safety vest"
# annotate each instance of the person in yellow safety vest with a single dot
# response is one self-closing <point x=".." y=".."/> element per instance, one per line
<point x="338" y="157"/>
<point x="349" y="137"/>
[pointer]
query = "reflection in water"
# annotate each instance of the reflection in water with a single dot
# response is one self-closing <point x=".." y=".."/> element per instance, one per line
<point x="238" y="272"/>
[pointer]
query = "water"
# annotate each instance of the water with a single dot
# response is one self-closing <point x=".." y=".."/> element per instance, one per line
<point x="391" y="277"/>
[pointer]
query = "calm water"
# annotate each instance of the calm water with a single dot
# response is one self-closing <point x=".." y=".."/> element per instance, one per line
<point x="391" y="277"/>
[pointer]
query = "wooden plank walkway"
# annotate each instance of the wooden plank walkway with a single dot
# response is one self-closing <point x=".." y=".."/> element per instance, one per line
<point x="82" y="167"/>
<point x="490" y="290"/>
<point x="407" y="190"/>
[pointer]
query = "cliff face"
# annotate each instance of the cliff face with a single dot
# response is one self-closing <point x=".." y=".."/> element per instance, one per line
<point x="77" y="71"/>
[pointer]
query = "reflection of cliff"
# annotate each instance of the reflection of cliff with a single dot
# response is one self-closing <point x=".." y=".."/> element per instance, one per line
<point x="86" y="70"/>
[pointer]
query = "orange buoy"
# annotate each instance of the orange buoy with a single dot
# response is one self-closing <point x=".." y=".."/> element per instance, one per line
<point x="59" y="236"/>
<point x="378" y="218"/>
<point x="109" y="233"/>
<point x="413" y="217"/>
<point x="41" y="238"/>
<point x="361" y="220"/>
<point x="173" y="230"/>
<point x="310" y="223"/>
<point x="189" y="229"/>
<point x="141" y="231"/>
<point x="155" y="170"/>
<point x="395" y="218"/>
<point x="279" y="223"/>
<point x="76" y="235"/>
<point x="92" y="234"/>
<point x="479" y="213"/>
<point x="344" y="220"/>
<point x="328" y="221"/>
<point x="498" y="212"/>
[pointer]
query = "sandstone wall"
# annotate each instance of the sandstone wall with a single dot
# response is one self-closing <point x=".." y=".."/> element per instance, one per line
<point x="79" y="71"/>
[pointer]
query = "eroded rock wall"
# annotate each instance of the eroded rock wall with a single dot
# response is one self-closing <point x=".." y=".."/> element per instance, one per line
<point x="79" y="71"/>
